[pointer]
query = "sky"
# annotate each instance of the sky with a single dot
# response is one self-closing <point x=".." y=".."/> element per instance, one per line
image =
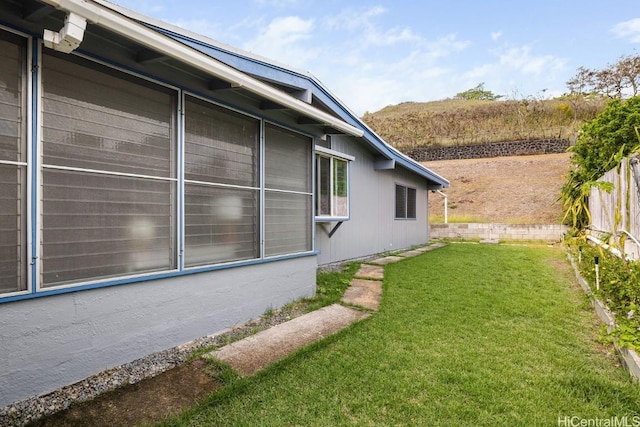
<point x="371" y="54"/>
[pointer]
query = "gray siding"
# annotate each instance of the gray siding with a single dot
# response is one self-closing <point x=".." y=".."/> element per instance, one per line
<point x="372" y="228"/>
<point x="69" y="337"/>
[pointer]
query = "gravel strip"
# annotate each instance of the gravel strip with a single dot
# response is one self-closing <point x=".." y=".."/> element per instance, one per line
<point x="20" y="413"/>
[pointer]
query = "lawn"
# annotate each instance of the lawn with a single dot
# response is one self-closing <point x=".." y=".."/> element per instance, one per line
<point x="482" y="335"/>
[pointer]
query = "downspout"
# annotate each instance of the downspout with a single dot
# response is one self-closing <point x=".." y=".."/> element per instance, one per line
<point x="446" y="199"/>
<point x="69" y="37"/>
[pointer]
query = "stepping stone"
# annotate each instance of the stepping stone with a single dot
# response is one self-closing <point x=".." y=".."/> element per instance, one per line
<point x="431" y="247"/>
<point x="256" y="352"/>
<point x="387" y="260"/>
<point x="364" y="293"/>
<point x="411" y="253"/>
<point x="368" y="271"/>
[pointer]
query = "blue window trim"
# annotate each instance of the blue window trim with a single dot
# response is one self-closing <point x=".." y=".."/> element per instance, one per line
<point x="34" y="183"/>
<point x="152" y="277"/>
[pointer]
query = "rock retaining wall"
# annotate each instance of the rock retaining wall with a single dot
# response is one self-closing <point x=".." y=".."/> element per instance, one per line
<point x="494" y="149"/>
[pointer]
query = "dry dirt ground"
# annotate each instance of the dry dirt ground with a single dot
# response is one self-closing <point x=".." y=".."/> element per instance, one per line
<point x="521" y="189"/>
<point x="506" y="189"/>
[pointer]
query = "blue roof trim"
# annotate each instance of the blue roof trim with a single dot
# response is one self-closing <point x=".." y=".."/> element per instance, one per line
<point x="285" y="76"/>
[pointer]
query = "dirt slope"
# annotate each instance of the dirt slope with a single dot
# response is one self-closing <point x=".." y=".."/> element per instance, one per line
<point x="522" y="189"/>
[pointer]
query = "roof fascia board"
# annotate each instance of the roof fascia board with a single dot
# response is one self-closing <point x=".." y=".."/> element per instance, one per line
<point x="132" y="29"/>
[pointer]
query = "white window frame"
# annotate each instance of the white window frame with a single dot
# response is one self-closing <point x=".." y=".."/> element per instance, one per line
<point x="332" y="155"/>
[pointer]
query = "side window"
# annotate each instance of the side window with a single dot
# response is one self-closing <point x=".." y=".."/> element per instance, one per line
<point x="288" y="192"/>
<point x="221" y="185"/>
<point x="13" y="163"/>
<point x="332" y="185"/>
<point x="406" y="199"/>
<point x="108" y="173"/>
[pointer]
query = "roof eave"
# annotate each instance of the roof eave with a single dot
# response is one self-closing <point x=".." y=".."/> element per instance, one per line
<point x="102" y="15"/>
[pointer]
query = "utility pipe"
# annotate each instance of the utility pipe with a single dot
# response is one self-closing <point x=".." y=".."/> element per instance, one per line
<point x="446" y="198"/>
<point x="133" y="30"/>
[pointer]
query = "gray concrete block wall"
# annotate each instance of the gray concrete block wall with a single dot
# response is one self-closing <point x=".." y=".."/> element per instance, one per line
<point x="478" y="231"/>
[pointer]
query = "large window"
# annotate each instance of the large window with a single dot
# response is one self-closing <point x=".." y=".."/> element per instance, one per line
<point x="221" y="185"/>
<point x="121" y="188"/>
<point x="13" y="164"/>
<point x="405" y="202"/>
<point x="332" y="185"/>
<point x="288" y="194"/>
<point x="109" y="173"/>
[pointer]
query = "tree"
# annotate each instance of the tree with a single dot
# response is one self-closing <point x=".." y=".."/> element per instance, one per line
<point x="478" y="93"/>
<point x="601" y="145"/>
<point x="614" y="81"/>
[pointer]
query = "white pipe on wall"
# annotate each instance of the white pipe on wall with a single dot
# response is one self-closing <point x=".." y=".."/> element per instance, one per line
<point x="446" y="200"/>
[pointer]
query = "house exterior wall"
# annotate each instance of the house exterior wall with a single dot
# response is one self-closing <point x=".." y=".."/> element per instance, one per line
<point x="47" y="343"/>
<point x="372" y="227"/>
<point x="56" y="332"/>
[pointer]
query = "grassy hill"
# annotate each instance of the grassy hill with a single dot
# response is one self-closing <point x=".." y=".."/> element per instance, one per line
<point x="459" y="122"/>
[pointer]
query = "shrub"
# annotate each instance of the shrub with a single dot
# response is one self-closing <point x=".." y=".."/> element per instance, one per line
<point x="619" y="290"/>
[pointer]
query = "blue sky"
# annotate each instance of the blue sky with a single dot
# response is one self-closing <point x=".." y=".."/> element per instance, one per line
<point x="375" y="53"/>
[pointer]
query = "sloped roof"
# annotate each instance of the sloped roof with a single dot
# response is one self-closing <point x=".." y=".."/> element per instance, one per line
<point x="320" y="101"/>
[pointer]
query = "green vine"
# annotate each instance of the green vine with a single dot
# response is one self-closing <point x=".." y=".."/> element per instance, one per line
<point x="603" y="142"/>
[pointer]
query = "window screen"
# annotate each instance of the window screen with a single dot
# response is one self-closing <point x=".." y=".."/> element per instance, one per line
<point x="108" y="182"/>
<point x="221" y="190"/>
<point x="287" y="161"/>
<point x="406" y="199"/>
<point x="411" y="202"/>
<point x="288" y="197"/>
<point x="220" y="146"/>
<point x="12" y="163"/>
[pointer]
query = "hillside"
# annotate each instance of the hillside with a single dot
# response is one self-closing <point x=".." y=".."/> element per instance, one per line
<point x="459" y="122"/>
<point x="520" y="189"/>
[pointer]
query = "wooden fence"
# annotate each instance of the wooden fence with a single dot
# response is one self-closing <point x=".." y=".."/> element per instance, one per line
<point x="618" y="212"/>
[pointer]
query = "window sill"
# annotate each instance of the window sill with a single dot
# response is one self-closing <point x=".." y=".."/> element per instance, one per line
<point x="326" y="219"/>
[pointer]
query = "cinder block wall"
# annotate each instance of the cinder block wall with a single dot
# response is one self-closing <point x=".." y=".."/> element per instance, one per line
<point x="476" y="231"/>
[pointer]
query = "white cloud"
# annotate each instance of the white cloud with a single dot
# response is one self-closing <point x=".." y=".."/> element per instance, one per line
<point x="375" y="81"/>
<point x="628" y="30"/>
<point x="368" y="33"/>
<point x="521" y="59"/>
<point x="283" y="39"/>
<point x="354" y="20"/>
<point x="496" y="35"/>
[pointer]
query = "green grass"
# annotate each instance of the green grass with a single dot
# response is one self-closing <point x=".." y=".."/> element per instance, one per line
<point x="482" y="335"/>
<point x="456" y="219"/>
